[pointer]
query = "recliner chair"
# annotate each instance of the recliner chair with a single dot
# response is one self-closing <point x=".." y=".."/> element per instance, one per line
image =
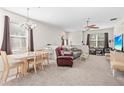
<point x="63" y="59"/>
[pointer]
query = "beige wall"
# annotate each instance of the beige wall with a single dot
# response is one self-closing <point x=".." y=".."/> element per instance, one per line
<point x="75" y="37"/>
<point x="1" y="28"/>
<point x="45" y="34"/>
<point x="119" y="27"/>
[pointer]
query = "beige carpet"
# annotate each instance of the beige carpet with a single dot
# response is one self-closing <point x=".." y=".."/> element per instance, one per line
<point x="95" y="71"/>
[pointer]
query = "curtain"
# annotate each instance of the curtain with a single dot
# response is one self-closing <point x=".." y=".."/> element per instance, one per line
<point x="67" y="42"/>
<point x="31" y="42"/>
<point x="88" y="39"/>
<point x="62" y="41"/>
<point x="6" y="36"/>
<point x="106" y="43"/>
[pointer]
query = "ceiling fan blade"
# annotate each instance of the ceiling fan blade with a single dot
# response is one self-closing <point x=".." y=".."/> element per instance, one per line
<point x="95" y="27"/>
<point x="92" y="25"/>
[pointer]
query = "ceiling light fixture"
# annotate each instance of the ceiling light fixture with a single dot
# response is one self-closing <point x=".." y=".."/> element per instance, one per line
<point x="28" y="24"/>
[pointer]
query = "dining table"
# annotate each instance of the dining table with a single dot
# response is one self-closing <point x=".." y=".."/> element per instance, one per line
<point x="24" y="57"/>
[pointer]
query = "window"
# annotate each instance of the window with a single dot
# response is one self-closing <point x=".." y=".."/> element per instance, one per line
<point x="93" y="40"/>
<point x="18" y="38"/>
<point x="100" y="41"/>
<point x="97" y="40"/>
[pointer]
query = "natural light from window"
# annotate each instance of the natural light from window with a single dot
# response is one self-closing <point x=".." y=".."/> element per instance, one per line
<point x="18" y="38"/>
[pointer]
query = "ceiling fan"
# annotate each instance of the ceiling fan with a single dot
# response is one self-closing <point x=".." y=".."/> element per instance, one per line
<point x="90" y="27"/>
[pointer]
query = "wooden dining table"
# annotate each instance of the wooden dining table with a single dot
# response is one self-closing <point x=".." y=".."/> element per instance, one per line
<point x="24" y="57"/>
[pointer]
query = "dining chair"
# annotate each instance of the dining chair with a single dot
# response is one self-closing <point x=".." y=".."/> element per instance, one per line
<point x="18" y="64"/>
<point x="36" y="60"/>
<point x="46" y="57"/>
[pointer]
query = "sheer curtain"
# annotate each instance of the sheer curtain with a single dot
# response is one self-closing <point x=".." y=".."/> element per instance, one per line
<point x="1" y="37"/>
<point x="2" y="17"/>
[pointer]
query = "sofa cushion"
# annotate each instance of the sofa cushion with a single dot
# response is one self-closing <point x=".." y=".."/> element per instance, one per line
<point x="76" y="54"/>
<point x="62" y="52"/>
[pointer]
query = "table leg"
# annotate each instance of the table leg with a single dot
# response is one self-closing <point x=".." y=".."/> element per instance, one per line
<point x="25" y="67"/>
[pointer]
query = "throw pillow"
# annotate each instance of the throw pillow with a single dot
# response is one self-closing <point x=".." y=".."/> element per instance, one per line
<point x="62" y="52"/>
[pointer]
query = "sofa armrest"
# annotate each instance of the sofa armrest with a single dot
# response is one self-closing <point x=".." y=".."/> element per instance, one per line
<point x="65" y="57"/>
<point x="68" y="54"/>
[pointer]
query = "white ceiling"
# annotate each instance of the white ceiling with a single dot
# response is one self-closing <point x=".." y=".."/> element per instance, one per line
<point x="73" y="18"/>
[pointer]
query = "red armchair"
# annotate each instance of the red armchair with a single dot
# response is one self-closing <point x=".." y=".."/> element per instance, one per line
<point x="64" y="59"/>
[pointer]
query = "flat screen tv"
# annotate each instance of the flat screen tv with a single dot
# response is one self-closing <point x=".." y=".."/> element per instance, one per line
<point x="118" y="42"/>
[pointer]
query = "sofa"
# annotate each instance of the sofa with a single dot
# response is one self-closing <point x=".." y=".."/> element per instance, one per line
<point x="76" y="52"/>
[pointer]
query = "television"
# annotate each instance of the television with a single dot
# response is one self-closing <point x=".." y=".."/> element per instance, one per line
<point x="118" y="42"/>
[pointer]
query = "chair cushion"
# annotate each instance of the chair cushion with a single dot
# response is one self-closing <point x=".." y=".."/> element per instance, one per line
<point x="117" y="65"/>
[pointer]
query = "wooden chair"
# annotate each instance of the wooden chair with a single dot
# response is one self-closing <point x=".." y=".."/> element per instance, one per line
<point x="18" y="64"/>
<point x="36" y="60"/>
<point x="111" y="56"/>
<point x="46" y="57"/>
<point x="107" y="55"/>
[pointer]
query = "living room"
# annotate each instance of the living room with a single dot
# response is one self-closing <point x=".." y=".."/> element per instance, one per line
<point x="54" y="30"/>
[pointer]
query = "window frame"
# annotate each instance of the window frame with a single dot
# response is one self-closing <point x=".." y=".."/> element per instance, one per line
<point x="20" y="37"/>
<point x="97" y="39"/>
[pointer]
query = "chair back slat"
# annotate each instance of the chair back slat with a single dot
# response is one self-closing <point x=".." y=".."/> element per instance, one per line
<point x="39" y="56"/>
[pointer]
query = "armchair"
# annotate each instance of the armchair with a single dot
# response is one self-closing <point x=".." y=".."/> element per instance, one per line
<point x="116" y="61"/>
<point x="63" y="59"/>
